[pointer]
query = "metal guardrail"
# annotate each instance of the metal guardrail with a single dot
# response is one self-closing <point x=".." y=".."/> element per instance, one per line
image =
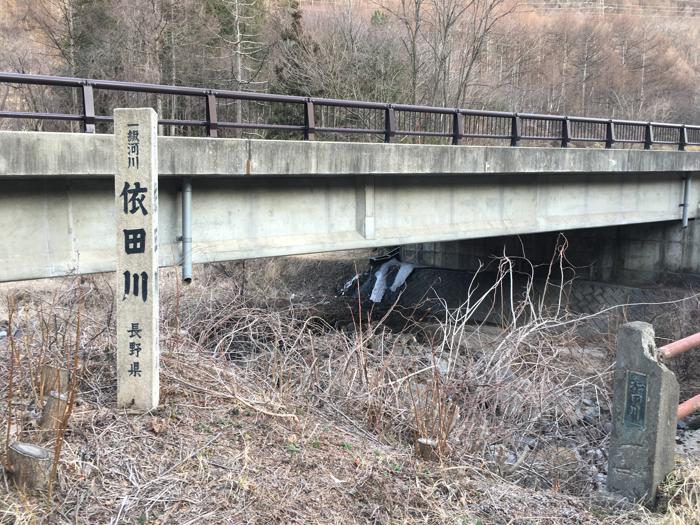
<point x="675" y="349"/>
<point x="382" y="119"/>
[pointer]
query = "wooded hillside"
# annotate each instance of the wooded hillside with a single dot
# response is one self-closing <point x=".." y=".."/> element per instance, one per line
<point x="534" y="56"/>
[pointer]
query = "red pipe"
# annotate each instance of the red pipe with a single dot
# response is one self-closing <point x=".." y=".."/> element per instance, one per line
<point x="678" y="347"/>
<point x="688" y="407"/>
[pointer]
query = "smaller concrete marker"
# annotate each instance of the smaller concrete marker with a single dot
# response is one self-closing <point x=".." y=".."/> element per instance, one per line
<point x="645" y="400"/>
<point x="136" y="200"/>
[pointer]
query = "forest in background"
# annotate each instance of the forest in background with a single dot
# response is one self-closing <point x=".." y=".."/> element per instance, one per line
<point x="509" y="55"/>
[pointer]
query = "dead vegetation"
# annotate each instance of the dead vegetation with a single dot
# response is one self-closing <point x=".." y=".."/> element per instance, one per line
<point x="269" y="414"/>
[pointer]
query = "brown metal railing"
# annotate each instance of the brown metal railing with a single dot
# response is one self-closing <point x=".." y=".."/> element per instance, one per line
<point x="386" y="120"/>
<point x="675" y="349"/>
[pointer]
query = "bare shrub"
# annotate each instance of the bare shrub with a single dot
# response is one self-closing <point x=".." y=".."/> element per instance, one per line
<point x="505" y="400"/>
<point x="269" y="414"/>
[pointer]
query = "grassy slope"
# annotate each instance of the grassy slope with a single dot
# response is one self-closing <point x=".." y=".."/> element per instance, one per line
<point x="311" y="425"/>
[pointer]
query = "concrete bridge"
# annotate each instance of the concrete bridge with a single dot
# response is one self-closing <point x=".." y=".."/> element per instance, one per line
<point x="256" y="198"/>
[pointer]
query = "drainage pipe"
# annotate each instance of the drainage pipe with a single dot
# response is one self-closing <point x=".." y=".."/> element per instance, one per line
<point x="688" y="407"/>
<point x="686" y="192"/>
<point x="681" y="346"/>
<point x="187" y="229"/>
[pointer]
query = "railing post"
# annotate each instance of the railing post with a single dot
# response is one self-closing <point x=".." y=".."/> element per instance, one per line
<point x="88" y="109"/>
<point x="309" y="120"/>
<point x="609" y="134"/>
<point x="682" y="138"/>
<point x="648" y="136"/>
<point x="565" y="132"/>
<point x="212" y="122"/>
<point x="514" y="130"/>
<point x="457" y="128"/>
<point x="389" y="123"/>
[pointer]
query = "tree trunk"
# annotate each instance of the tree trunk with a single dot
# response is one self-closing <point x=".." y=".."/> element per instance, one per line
<point x="641" y="83"/>
<point x="427" y="449"/>
<point x="584" y="79"/>
<point x="30" y="466"/>
<point x="173" y="62"/>
<point x="54" y="411"/>
<point x="52" y="378"/>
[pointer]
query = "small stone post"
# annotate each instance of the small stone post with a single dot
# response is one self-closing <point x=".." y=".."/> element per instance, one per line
<point x="645" y="400"/>
<point x="136" y="200"/>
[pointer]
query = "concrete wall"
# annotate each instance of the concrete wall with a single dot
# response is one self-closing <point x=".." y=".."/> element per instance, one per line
<point x="265" y="198"/>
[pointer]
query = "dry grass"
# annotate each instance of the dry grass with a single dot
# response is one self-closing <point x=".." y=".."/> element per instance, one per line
<point x="683" y="491"/>
<point x="270" y="415"/>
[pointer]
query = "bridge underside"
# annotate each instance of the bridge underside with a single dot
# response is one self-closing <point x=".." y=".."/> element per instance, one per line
<point x="633" y="254"/>
<point x="267" y="198"/>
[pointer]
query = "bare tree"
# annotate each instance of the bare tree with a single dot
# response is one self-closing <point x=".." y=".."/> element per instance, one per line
<point x="410" y="14"/>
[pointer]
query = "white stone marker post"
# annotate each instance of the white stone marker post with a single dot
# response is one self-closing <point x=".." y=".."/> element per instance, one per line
<point x="136" y="200"/>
